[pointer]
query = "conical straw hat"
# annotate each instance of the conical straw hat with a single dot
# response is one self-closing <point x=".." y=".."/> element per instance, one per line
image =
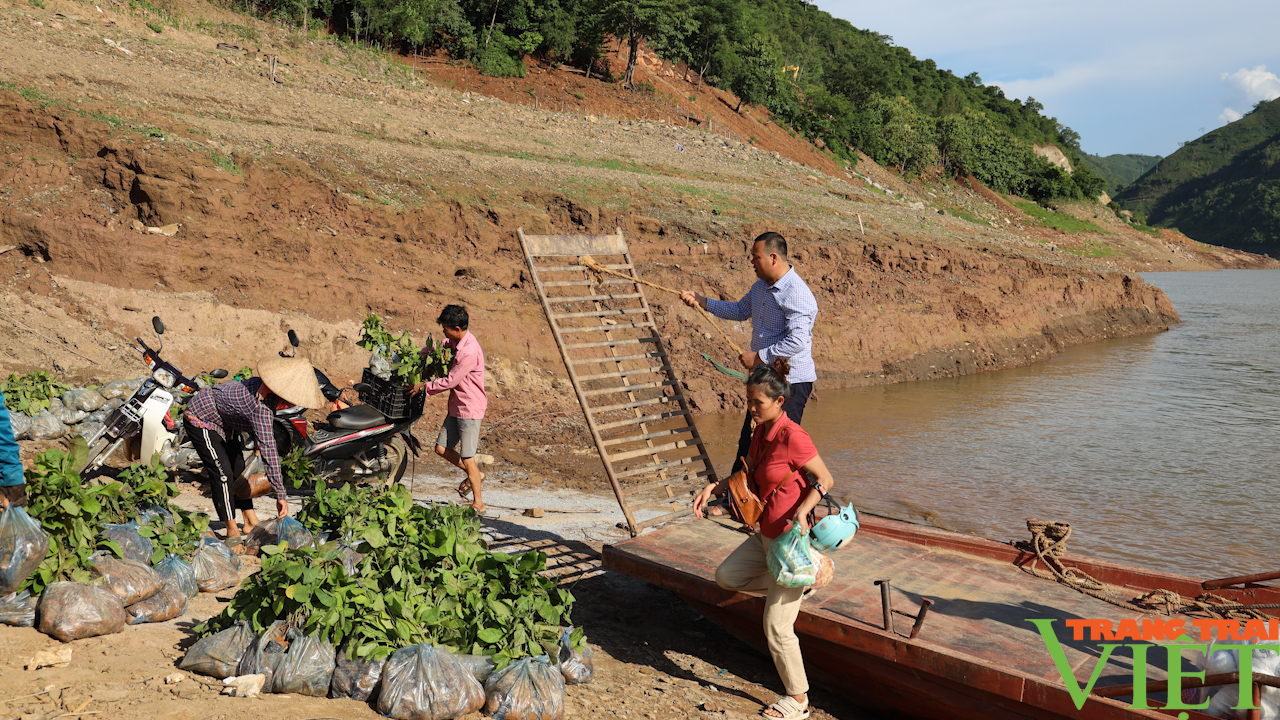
<point x="292" y="379"/>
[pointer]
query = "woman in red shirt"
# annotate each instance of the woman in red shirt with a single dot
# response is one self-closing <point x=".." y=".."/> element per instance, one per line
<point x="781" y="452"/>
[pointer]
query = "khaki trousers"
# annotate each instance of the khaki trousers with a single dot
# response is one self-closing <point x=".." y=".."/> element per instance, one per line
<point x="745" y="570"/>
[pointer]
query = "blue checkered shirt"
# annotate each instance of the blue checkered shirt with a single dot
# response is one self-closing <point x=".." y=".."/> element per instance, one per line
<point x="782" y="318"/>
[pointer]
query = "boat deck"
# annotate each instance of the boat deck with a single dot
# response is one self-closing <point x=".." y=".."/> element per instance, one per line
<point x="976" y="649"/>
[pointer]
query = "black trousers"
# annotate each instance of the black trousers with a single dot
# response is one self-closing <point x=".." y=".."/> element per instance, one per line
<point x="793" y="407"/>
<point x="223" y="462"/>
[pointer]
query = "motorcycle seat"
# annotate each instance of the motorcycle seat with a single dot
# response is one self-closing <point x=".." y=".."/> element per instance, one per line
<point x="356" y="417"/>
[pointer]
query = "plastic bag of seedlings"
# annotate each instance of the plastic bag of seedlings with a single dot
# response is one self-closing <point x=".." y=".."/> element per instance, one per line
<point x="74" y="611"/>
<point x="354" y="678"/>
<point x="528" y="689"/>
<point x="23" y="546"/>
<point x="146" y="515"/>
<point x="350" y="558"/>
<point x="276" y="531"/>
<point x="575" y="665"/>
<point x="119" y="389"/>
<point x="88" y="429"/>
<point x="132" y="545"/>
<point x="20" y="424"/>
<point x="292" y="662"/>
<point x="379" y="364"/>
<point x="219" y="655"/>
<point x="480" y="666"/>
<point x="68" y="416"/>
<point x="18" y="609"/>
<point x="264" y="654"/>
<point x="83" y="399"/>
<point x="130" y="580"/>
<point x="421" y="682"/>
<point x="217" y="568"/>
<point x="46" y="427"/>
<point x="171" y="601"/>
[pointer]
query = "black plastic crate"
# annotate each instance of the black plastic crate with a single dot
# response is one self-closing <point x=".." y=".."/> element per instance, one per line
<point x="393" y="401"/>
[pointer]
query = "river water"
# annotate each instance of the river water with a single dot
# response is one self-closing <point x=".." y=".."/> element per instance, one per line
<point x="1160" y="450"/>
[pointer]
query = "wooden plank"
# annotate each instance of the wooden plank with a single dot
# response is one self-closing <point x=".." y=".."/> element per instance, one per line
<point x="580" y="268"/>
<point x="544" y="245"/>
<point x="647" y="451"/>
<point x="659" y="484"/>
<point x="600" y="359"/>
<point x="629" y="388"/>
<point x="664" y="518"/>
<point x="597" y="313"/>
<point x="679" y="497"/>
<point x="651" y="370"/>
<point x="645" y="419"/>
<point x="634" y="404"/>
<point x="581" y="283"/>
<point x="592" y="298"/>
<point x="606" y="328"/>
<point x="612" y="343"/>
<point x="661" y="466"/>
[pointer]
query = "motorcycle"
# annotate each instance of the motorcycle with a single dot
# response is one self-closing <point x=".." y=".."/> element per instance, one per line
<point x="146" y="412"/>
<point x="355" y="442"/>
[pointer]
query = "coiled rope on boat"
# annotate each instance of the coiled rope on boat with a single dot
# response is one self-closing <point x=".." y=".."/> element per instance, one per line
<point x="1049" y="543"/>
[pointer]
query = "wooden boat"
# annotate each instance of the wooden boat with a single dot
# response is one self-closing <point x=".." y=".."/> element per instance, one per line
<point x="976" y="655"/>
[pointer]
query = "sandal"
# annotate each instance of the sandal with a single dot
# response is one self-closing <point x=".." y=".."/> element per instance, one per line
<point x="464" y="489"/>
<point x="788" y="708"/>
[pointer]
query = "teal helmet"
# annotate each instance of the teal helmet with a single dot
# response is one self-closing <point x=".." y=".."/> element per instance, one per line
<point x="833" y="531"/>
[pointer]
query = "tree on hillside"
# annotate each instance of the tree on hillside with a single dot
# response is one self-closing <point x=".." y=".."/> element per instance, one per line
<point x="756" y="78"/>
<point x="716" y="22"/>
<point x="636" y="20"/>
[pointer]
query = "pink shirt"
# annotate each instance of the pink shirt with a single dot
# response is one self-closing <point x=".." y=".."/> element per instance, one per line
<point x="778" y="455"/>
<point x="465" y="381"/>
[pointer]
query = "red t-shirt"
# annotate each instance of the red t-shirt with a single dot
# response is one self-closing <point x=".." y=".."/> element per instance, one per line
<point x="778" y="455"/>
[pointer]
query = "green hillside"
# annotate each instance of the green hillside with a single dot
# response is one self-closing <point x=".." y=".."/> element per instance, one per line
<point x="1223" y="188"/>
<point x="1120" y="170"/>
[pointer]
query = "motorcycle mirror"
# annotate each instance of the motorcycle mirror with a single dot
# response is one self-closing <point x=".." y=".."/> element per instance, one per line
<point x="293" y="338"/>
<point x="157" y="325"/>
<point x="218" y="374"/>
<point x="362" y="388"/>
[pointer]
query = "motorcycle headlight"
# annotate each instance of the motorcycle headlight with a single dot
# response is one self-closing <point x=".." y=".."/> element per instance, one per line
<point x="164" y="377"/>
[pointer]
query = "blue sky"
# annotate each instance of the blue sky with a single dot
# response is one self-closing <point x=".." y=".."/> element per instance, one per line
<point x="1131" y="76"/>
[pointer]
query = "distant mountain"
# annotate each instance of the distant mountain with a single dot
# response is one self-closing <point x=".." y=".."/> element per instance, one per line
<point x="1120" y="170"/>
<point x="1223" y="188"/>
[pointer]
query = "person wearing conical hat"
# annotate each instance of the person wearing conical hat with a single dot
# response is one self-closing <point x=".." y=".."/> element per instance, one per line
<point x="216" y="416"/>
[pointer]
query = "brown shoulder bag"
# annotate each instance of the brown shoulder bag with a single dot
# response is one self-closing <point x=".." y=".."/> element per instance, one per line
<point x="744" y="503"/>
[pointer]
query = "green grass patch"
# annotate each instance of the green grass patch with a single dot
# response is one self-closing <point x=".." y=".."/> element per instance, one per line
<point x="37" y="3"/>
<point x="101" y="117"/>
<point x="223" y="29"/>
<point x="224" y="162"/>
<point x="156" y="27"/>
<point x="1093" y="248"/>
<point x="970" y="218"/>
<point x="1057" y="220"/>
<point x="1140" y="227"/>
<point x="30" y="94"/>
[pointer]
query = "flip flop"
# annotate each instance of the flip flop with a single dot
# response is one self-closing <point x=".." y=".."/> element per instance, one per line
<point x="788" y="708"/>
<point x="464" y="489"/>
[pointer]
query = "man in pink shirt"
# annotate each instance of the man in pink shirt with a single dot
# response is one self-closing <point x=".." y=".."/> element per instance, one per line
<point x="467" y="401"/>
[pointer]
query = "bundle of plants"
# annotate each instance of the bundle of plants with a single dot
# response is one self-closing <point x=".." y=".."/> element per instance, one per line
<point x="420" y="576"/>
<point x="406" y="363"/>
<point x="74" y="514"/>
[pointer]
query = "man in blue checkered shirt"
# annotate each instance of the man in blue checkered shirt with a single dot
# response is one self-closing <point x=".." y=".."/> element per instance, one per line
<point x="782" y="310"/>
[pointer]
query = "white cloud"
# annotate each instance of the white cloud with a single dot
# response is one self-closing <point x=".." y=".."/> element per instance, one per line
<point x="1256" y="84"/>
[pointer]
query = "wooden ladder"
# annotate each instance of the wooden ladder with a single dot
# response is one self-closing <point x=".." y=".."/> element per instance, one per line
<point x="635" y="408"/>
